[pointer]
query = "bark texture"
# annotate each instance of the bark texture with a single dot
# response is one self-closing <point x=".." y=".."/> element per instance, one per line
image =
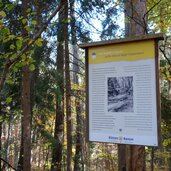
<point x="78" y="163"/>
<point x="26" y="103"/>
<point x="26" y="107"/>
<point x="135" y="13"/>
<point x="68" y="90"/>
<point x="59" y="122"/>
<point x="0" y="133"/>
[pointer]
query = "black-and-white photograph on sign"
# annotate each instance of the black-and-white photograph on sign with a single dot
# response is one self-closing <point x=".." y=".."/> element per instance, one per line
<point x="120" y="94"/>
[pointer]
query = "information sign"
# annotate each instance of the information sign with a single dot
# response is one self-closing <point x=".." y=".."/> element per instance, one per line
<point x="123" y="93"/>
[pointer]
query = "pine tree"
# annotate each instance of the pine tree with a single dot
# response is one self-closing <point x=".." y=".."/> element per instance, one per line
<point x="57" y="153"/>
<point x="26" y="103"/>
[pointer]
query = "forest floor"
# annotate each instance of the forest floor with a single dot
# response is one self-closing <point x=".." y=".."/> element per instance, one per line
<point x="121" y="103"/>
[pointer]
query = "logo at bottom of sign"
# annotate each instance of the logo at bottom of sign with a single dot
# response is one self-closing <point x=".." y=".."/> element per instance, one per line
<point x="121" y="139"/>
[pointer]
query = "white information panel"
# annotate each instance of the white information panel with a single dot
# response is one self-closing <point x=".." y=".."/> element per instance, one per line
<point x="122" y="93"/>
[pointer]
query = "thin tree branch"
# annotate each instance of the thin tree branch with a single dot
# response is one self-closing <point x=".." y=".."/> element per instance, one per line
<point x="77" y="59"/>
<point x="144" y="25"/>
<point x="151" y="18"/>
<point x="77" y="72"/>
<point x="9" y="63"/>
<point x="8" y="164"/>
<point x="77" y="65"/>
<point x="81" y="16"/>
<point x="163" y="51"/>
<point x="145" y="15"/>
<point x="38" y="34"/>
<point x="152" y="8"/>
<point x="165" y="56"/>
<point x="137" y="21"/>
<point x="3" y="77"/>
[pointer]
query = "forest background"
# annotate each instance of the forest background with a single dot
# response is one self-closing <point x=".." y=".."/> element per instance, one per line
<point x="42" y="80"/>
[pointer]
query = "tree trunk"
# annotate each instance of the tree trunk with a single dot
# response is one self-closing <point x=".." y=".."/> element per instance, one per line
<point x="78" y="166"/>
<point x="122" y="157"/>
<point x="78" y="154"/>
<point x="26" y="103"/>
<point x="135" y="11"/>
<point x="26" y="107"/>
<point x="68" y="90"/>
<point x="137" y="27"/>
<point x="169" y="90"/>
<point x="0" y="134"/>
<point x="6" y="145"/>
<point x="20" y="161"/>
<point x="59" y="122"/>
